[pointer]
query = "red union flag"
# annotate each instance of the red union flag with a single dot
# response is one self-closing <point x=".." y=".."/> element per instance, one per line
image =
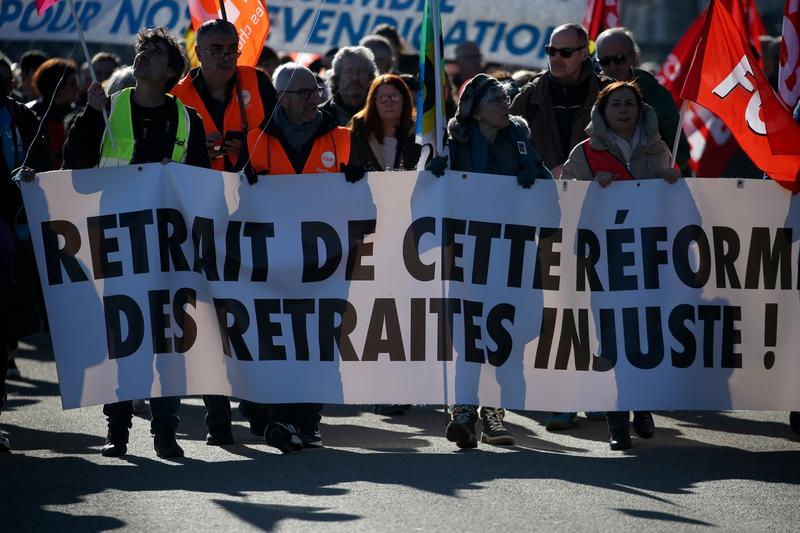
<point x="725" y="79"/>
<point x="789" y="73"/>
<point x="600" y="15"/>
<point x="43" y="5"/>
<point x="249" y="16"/>
<point x="673" y="71"/>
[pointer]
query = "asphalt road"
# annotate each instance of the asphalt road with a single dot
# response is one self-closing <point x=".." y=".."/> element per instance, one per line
<point x="724" y="471"/>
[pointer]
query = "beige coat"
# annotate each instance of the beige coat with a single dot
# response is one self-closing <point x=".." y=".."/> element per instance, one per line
<point x="648" y="160"/>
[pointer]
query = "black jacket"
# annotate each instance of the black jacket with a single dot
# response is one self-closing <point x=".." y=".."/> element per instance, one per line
<point x="24" y="124"/>
<point x="362" y="155"/>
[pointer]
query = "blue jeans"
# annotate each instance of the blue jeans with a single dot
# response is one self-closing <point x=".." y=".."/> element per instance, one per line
<point x="164" y="411"/>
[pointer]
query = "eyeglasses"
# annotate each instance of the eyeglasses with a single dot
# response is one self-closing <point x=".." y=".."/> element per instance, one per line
<point x="618" y="59"/>
<point x="385" y="98"/>
<point x="219" y="53"/>
<point x="305" y="94"/>
<point x="566" y="53"/>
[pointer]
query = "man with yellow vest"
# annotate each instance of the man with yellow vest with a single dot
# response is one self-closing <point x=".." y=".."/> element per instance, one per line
<point x="231" y="99"/>
<point x="148" y="126"/>
<point x="300" y="139"/>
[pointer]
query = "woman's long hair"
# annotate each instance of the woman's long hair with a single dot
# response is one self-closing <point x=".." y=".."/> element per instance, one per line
<point x="368" y="120"/>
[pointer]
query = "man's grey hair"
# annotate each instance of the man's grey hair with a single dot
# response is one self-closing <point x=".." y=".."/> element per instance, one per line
<point x="626" y="34"/>
<point x="349" y="51"/>
<point x="284" y="73"/>
<point x="121" y="78"/>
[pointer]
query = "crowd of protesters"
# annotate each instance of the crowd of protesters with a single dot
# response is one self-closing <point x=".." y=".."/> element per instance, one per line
<point x="586" y="117"/>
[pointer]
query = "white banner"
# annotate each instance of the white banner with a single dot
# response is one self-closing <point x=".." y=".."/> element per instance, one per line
<point x="517" y="33"/>
<point x="405" y="288"/>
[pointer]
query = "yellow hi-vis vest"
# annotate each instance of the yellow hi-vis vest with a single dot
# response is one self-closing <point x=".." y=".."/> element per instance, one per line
<point x="122" y="126"/>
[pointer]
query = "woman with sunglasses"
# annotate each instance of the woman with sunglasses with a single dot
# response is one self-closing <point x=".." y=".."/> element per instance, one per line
<point x="485" y="138"/>
<point x="382" y="133"/>
<point x="623" y="144"/>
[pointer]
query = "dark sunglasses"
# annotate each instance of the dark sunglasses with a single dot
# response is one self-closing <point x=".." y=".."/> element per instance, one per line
<point x="618" y="59"/>
<point x="566" y="53"/>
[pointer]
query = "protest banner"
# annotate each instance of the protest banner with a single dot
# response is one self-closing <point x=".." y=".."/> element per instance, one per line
<point x="516" y="34"/>
<point x="405" y="288"/>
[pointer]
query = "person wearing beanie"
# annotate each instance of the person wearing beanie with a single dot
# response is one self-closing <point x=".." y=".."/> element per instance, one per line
<point x="485" y="138"/>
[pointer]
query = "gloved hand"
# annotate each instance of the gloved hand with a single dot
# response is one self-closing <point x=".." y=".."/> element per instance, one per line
<point x="437" y="165"/>
<point x="352" y="173"/>
<point x="250" y="173"/>
<point x="525" y="179"/>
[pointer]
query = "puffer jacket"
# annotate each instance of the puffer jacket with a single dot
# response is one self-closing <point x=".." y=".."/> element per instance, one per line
<point x="648" y="160"/>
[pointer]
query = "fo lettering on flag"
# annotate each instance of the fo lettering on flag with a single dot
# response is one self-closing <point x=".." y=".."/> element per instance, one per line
<point x="725" y="79"/>
<point x="249" y="16"/>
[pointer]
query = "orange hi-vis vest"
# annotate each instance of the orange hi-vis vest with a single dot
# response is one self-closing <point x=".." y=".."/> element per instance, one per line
<point x="328" y="152"/>
<point x="605" y="161"/>
<point x="253" y="106"/>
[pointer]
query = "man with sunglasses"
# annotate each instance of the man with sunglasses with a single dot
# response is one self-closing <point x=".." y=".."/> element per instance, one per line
<point x="617" y="55"/>
<point x="231" y="100"/>
<point x="558" y="103"/>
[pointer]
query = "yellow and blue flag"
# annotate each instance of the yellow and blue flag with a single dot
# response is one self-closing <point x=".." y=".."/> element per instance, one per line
<point x="430" y="99"/>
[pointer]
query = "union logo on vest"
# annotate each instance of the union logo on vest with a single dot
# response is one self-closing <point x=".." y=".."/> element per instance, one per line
<point x="328" y="159"/>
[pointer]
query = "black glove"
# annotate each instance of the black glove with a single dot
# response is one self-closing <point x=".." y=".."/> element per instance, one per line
<point x="437" y="165"/>
<point x="250" y="173"/>
<point x="352" y="173"/>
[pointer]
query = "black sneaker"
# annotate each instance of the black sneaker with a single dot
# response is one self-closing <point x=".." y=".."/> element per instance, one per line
<point x="461" y="429"/>
<point x="116" y="445"/>
<point x="166" y="446"/>
<point x="283" y="436"/>
<point x="620" y="440"/>
<point x="5" y="444"/>
<point x="494" y="432"/>
<point x="12" y="370"/>
<point x="310" y="436"/>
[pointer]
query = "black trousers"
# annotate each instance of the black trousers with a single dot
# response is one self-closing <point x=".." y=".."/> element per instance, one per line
<point x="164" y="411"/>
<point x="218" y="413"/>
<point x="299" y="414"/>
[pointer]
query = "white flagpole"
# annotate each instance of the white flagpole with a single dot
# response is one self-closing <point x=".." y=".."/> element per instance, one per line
<point x="678" y="132"/>
<point x="91" y="68"/>
<point x="437" y="77"/>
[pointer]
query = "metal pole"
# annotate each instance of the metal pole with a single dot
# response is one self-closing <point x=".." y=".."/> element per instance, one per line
<point x="678" y="132"/>
<point x="91" y="68"/>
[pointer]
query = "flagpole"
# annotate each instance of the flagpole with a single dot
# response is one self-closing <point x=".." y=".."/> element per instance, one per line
<point x="91" y="68"/>
<point x="678" y="132"/>
<point x="437" y="76"/>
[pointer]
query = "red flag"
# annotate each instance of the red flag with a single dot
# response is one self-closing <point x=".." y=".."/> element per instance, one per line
<point x="250" y="18"/>
<point x="789" y="73"/>
<point x="673" y="71"/>
<point x="43" y="5"/>
<point x="725" y="79"/>
<point x="600" y="15"/>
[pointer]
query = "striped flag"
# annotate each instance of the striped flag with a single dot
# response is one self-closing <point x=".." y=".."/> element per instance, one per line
<point x="430" y="99"/>
<point x="43" y="5"/>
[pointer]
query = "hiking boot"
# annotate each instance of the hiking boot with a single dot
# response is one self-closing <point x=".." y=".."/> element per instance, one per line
<point x="116" y="444"/>
<point x="494" y="432"/>
<point x="5" y="443"/>
<point x="620" y="439"/>
<point x="284" y="437"/>
<point x="561" y="421"/>
<point x="461" y="428"/>
<point x="310" y="436"/>
<point x="166" y="446"/>
<point x="643" y="424"/>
